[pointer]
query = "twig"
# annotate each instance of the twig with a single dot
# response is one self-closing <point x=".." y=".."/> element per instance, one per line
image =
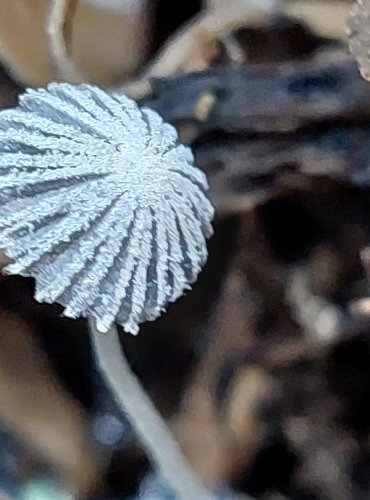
<point x="157" y="439"/>
<point x="59" y="33"/>
<point x="194" y="45"/>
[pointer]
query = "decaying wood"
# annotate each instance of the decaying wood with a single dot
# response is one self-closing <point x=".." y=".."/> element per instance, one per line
<point x="255" y="128"/>
<point x="268" y="99"/>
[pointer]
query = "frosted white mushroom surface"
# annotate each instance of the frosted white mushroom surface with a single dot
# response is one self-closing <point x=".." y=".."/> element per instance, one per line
<point x="100" y="204"/>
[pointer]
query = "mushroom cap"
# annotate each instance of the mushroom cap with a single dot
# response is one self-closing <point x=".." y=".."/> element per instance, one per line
<point x="100" y="204"/>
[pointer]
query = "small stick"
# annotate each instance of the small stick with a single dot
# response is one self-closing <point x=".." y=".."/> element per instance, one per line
<point x="161" y="446"/>
<point x="193" y="46"/>
<point x="59" y="31"/>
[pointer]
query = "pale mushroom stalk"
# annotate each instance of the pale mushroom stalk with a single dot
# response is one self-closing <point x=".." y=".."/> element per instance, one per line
<point x="155" y="436"/>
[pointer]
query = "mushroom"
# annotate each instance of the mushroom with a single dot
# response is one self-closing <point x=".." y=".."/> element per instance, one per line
<point x="102" y="206"/>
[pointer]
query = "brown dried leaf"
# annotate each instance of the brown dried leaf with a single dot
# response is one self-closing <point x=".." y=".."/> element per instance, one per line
<point x="105" y="46"/>
<point x="36" y="408"/>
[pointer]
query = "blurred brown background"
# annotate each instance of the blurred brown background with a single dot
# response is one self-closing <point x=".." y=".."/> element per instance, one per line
<point x="263" y="369"/>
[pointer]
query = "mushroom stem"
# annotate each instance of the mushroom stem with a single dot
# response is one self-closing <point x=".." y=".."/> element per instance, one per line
<point x="157" y="439"/>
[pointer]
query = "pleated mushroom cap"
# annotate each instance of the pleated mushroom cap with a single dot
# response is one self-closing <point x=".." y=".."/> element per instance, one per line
<point x="100" y="204"/>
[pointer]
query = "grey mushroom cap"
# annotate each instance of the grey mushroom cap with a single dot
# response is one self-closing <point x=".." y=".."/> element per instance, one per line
<point x="100" y="204"/>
